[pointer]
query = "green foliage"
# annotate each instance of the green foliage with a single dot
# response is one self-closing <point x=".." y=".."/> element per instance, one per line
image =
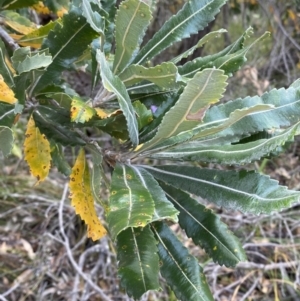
<point x="169" y="112"/>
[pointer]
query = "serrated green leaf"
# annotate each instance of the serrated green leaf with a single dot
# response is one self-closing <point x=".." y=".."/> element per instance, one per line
<point x="130" y="203"/>
<point x="56" y="125"/>
<point x="194" y="16"/>
<point x="93" y="17"/>
<point x="284" y="110"/>
<point x="138" y="261"/>
<point x="164" y="75"/>
<point x="113" y="84"/>
<point x="4" y="69"/>
<point x="198" y="64"/>
<point x="6" y="140"/>
<point x="163" y="208"/>
<point x="144" y="115"/>
<point x="7" y="114"/>
<point x="201" y="42"/>
<point x="66" y="43"/>
<point x="132" y="20"/>
<point x="206" y="229"/>
<point x="231" y="154"/>
<point x="34" y="62"/>
<point x="238" y="190"/>
<point x="203" y="90"/>
<point x="180" y="269"/>
<point x="19" y="56"/>
<point x="208" y="132"/>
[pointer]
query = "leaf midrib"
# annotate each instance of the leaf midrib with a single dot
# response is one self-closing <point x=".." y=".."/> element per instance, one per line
<point x="171" y="32"/>
<point x="201" y="225"/>
<point x="177" y="264"/>
<point x="217" y="185"/>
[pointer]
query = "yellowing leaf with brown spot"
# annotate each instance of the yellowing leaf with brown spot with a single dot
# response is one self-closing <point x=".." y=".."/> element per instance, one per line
<point x="80" y="111"/>
<point x="6" y="94"/>
<point x="37" y="151"/>
<point x="82" y="198"/>
<point x="42" y="9"/>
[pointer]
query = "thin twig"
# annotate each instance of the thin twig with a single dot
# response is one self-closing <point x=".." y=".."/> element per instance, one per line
<point x="8" y="39"/>
<point x="69" y="251"/>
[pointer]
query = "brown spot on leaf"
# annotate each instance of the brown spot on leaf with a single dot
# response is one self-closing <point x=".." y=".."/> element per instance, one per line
<point x="198" y="116"/>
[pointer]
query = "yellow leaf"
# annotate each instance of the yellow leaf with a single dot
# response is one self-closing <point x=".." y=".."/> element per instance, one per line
<point x="82" y="198"/>
<point x="80" y="111"/>
<point x="102" y="114"/>
<point x="35" y="38"/>
<point x="6" y="94"/>
<point x="37" y="151"/>
<point x="19" y="27"/>
<point x="41" y="8"/>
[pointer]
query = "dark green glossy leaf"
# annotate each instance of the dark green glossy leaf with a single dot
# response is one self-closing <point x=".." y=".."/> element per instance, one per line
<point x="163" y="208"/>
<point x="138" y="261"/>
<point x="206" y="229"/>
<point x="7" y="114"/>
<point x="237" y="190"/>
<point x="113" y="84"/>
<point x="180" y="269"/>
<point x="66" y="43"/>
<point x="59" y="160"/>
<point x="16" y="4"/>
<point x="132" y="20"/>
<point x="55" y="124"/>
<point x="194" y="16"/>
<point x="130" y="203"/>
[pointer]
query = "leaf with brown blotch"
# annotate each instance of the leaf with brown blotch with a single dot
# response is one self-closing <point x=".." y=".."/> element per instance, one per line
<point x="37" y="151"/>
<point x="81" y="111"/>
<point x="82" y="197"/>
